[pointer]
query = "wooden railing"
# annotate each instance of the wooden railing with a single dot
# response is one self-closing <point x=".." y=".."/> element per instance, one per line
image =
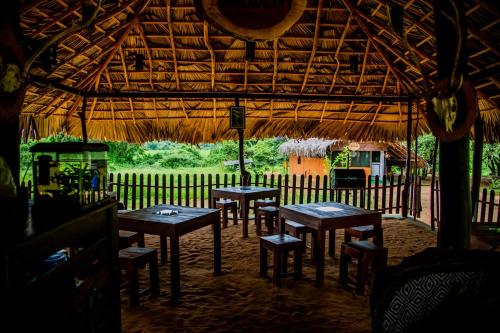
<point x="137" y="191"/>
<point x="485" y="210"/>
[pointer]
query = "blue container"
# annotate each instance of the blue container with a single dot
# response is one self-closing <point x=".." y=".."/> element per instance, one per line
<point x="55" y="259"/>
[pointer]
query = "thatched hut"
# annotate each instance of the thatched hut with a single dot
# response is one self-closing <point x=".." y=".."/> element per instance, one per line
<point x="314" y="156"/>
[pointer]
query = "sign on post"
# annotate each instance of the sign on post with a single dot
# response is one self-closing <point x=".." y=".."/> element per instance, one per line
<point x="237" y="117"/>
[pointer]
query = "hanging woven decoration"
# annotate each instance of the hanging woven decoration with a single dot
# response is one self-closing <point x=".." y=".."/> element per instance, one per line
<point x="446" y="120"/>
<point x="258" y="20"/>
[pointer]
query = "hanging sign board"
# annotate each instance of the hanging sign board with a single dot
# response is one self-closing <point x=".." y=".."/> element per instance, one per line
<point x="252" y="20"/>
<point x="353" y="146"/>
<point x="237" y="117"/>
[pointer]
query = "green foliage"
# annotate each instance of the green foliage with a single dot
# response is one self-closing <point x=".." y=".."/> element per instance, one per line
<point x="491" y="157"/>
<point x="425" y="147"/>
<point x="264" y="154"/>
<point x="341" y="159"/>
<point x="223" y="151"/>
<point x="123" y="153"/>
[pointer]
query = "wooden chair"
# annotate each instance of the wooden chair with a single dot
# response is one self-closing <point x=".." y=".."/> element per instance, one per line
<point x="130" y="259"/>
<point x="368" y="254"/>
<point x="280" y="245"/>
<point x="264" y="203"/>
<point x="300" y="231"/>
<point x="227" y="204"/>
<point x="128" y="238"/>
<point x="270" y="215"/>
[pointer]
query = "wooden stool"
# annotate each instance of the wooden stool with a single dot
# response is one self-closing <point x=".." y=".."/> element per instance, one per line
<point x="280" y="245"/>
<point x="362" y="233"/>
<point x="300" y="231"/>
<point x="128" y="238"/>
<point x="270" y="214"/>
<point x="130" y="259"/>
<point x="367" y="253"/>
<point x="263" y="203"/>
<point x="225" y="205"/>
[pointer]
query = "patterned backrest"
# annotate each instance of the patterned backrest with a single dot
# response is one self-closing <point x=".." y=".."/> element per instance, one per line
<point x="437" y="290"/>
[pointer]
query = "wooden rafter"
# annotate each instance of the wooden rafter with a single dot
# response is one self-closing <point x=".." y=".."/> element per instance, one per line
<point x="379" y="107"/>
<point x="314" y="46"/>
<point x="57" y="19"/>
<point x="174" y="56"/>
<point x="363" y="68"/>
<point x="353" y="10"/>
<point x="148" y="52"/>
<point x="275" y="74"/>
<point x="92" y="107"/>
<point x="211" y="51"/>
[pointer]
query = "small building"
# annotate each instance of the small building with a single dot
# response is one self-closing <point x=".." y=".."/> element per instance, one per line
<point x="315" y="156"/>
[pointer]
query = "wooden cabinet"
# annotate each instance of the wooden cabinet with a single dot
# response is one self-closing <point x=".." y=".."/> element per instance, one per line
<point x="80" y="294"/>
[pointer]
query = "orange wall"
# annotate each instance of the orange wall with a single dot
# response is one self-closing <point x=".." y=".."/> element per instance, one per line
<point x="314" y="166"/>
<point x="309" y="166"/>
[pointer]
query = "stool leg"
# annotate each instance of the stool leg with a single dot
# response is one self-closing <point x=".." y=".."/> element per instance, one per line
<point x="363" y="263"/>
<point x="134" y="284"/>
<point x="224" y="217"/>
<point x="258" y="225"/>
<point x="235" y="216"/>
<point x="347" y="236"/>
<point x="263" y="261"/>
<point x="141" y="242"/>
<point x="154" y="279"/>
<point x="344" y="263"/>
<point x="277" y="268"/>
<point x="298" y="263"/>
<point x="163" y="249"/>
<point x="284" y="262"/>
<point x="270" y="225"/>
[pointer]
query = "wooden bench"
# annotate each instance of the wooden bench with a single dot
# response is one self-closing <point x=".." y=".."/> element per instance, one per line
<point x="129" y="238"/>
<point x="270" y="215"/>
<point x="263" y="203"/>
<point x="280" y="245"/>
<point x="130" y="259"/>
<point x="368" y="254"/>
<point x="227" y="204"/>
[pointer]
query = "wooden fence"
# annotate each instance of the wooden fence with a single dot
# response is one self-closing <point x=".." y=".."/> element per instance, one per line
<point x="137" y="191"/>
<point x="486" y="210"/>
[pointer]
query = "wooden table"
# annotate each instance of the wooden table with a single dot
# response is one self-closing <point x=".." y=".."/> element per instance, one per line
<point x="329" y="216"/>
<point x="244" y="194"/>
<point x="188" y="219"/>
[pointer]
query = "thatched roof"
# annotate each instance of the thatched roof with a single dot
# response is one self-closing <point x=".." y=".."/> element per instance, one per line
<point x="183" y="53"/>
<point x="314" y="147"/>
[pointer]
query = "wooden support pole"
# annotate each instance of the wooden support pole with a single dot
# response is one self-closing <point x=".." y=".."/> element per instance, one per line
<point x="245" y="175"/>
<point x="455" y="195"/>
<point x="433" y="183"/>
<point x="476" y="164"/>
<point x="82" y="120"/>
<point x="406" y="186"/>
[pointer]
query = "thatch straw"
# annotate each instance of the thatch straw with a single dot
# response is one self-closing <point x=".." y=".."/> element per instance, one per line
<point x="183" y="53"/>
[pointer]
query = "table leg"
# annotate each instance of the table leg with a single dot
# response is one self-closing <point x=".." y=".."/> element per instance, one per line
<point x="163" y="249"/>
<point x="320" y="258"/>
<point x="378" y="238"/>
<point x="175" y="268"/>
<point x="331" y="242"/>
<point x="217" y="247"/>
<point x="244" y="216"/>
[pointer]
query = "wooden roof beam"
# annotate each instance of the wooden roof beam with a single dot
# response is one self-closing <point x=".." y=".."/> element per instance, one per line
<point x="353" y="10"/>
<point x="483" y="40"/>
<point x="314" y="46"/>
<point x="174" y="56"/>
<point x="379" y="107"/>
<point x="275" y="73"/>
<point x="58" y="19"/>
<point x="148" y="52"/>
<point x="211" y="51"/>
<point x="363" y="67"/>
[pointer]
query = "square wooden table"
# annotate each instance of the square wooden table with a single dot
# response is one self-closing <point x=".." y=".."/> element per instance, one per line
<point x="323" y="216"/>
<point x="244" y="194"/>
<point x="188" y="219"/>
